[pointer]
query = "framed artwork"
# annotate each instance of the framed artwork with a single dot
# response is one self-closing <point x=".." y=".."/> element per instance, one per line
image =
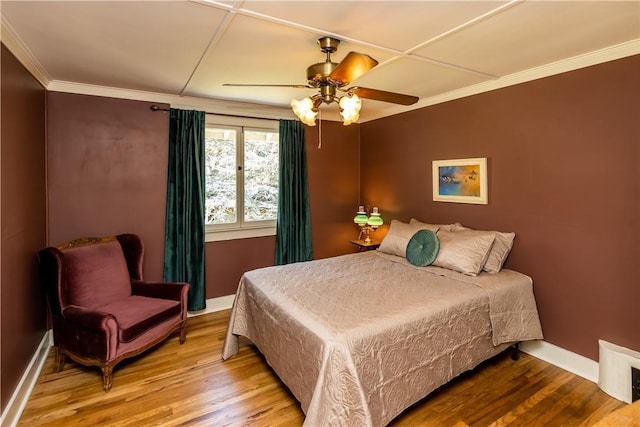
<point x="460" y="181"/>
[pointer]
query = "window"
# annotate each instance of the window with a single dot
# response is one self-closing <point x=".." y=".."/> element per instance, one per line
<point x="241" y="173"/>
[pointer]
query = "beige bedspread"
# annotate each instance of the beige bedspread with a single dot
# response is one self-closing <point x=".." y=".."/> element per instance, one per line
<point x="359" y="338"/>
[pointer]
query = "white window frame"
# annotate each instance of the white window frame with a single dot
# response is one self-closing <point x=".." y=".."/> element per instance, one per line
<point x="240" y="229"/>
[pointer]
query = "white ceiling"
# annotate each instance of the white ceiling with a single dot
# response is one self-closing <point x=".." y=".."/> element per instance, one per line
<point x="186" y="50"/>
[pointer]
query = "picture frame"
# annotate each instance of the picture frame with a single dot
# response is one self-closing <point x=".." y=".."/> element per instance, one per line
<point x="461" y="181"/>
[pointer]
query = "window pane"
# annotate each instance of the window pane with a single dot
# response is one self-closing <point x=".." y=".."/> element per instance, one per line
<point x="260" y="175"/>
<point x="220" y="175"/>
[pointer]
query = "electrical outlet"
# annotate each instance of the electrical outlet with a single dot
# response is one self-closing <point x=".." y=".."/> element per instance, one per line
<point x="635" y="384"/>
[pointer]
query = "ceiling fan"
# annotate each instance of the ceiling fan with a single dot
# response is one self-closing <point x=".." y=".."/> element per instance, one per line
<point x="331" y="78"/>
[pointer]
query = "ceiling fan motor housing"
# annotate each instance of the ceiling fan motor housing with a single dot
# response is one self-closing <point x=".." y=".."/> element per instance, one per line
<point x="317" y="74"/>
<point x="328" y="94"/>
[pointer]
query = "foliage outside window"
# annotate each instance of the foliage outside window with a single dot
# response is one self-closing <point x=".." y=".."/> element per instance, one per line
<point x="241" y="177"/>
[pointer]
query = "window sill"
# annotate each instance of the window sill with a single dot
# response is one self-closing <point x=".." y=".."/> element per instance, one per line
<point x="238" y="233"/>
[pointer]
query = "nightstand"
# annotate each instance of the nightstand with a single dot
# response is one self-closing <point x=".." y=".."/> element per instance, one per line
<point x="365" y="246"/>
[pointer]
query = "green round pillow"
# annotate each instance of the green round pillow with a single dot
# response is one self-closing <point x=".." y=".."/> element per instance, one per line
<point x="423" y="248"/>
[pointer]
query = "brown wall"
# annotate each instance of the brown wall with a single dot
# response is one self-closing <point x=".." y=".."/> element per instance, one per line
<point x="23" y="220"/>
<point x="226" y="261"/>
<point x="334" y="187"/>
<point x="563" y="155"/>
<point x="107" y="171"/>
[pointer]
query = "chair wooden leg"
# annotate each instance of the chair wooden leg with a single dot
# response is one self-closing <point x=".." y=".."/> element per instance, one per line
<point x="183" y="333"/>
<point x="60" y="359"/>
<point x="107" y="376"/>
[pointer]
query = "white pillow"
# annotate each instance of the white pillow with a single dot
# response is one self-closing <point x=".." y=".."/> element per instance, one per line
<point x="499" y="251"/>
<point x="463" y="252"/>
<point x="445" y="227"/>
<point x="398" y="236"/>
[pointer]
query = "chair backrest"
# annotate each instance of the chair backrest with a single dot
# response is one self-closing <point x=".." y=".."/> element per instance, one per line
<point x="133" y="249"/>
<point x="95" y="274"/>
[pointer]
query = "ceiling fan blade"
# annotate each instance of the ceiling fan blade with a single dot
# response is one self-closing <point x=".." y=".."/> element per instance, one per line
<point x="351" y="67"/>
<point x="267" y="85"/>
<point x="381" y="95"/>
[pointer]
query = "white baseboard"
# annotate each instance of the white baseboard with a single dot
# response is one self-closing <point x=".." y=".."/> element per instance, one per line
<point x="215" y="304"/>
<point x="18" y="401"/>
<point x="565" y="359"/>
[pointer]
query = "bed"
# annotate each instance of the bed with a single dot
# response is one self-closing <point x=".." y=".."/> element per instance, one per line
<point x="359" y="338"/>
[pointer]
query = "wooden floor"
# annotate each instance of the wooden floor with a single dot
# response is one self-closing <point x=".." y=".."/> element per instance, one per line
<point x="189" y="385"/>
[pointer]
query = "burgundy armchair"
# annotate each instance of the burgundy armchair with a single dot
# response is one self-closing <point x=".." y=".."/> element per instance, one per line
<point x="102" y="310"/>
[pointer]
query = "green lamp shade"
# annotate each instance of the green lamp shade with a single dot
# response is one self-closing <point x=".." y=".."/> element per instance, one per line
<point x="361" y="219"/>
<point x="375" y="220"/>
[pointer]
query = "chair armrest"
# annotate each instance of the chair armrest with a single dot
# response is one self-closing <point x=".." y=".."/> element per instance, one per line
<point x="90" y="319"/>
<point x="175" y="291"/>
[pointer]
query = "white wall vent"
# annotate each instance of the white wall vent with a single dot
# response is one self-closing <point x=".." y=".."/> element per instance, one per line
<point x="614" y="370"/>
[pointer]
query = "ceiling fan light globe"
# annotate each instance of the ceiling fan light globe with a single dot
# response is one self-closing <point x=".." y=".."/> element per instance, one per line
<point x="350" y="119"/>
<point x="305" y="110"/>
<point x="350" y="108"/>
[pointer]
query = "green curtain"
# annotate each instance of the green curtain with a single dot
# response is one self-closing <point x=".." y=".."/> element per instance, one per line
<point x="293" y="229"/>
<point x="184" y="225"/>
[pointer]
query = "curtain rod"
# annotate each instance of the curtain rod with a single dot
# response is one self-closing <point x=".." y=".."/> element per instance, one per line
<point x="156" y="108"/>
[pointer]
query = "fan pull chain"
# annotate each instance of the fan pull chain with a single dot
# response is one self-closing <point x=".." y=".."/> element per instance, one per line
<point x="319" y="129"/>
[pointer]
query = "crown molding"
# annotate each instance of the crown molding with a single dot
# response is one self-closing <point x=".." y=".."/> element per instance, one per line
<point x="21" y="51"/>
<point x="607" y="54"/>
<point x="210" y="105"/>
